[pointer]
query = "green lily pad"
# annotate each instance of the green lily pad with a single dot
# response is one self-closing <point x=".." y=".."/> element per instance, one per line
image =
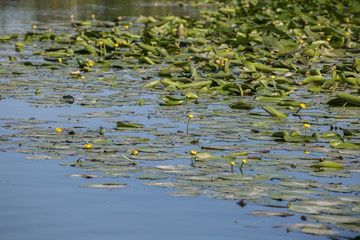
<point x="327" y="164"/>
<point x="128" y="125"/>
<point x="354" y="227"/>
<point x="289" y="138"/>
<point x="241" y="105"/>
<point x="335" y="218"/>
<point x="355" y="188"/>
<point x="201" y="156"/>
<point x="317" y="231"/>
<point x="271" y="214"/>
<point x="343" y="145"/>
<point x="152" y="176"/>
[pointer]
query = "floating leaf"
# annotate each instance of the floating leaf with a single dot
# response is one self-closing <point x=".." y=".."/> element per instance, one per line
<point x="327" y="164"/>
<point x="318" y="231"/>
<point x="343" y="145"/>
<point x="152" y="176"/>
<point x="200" y="156"/>
<point x="273" y="112"/>
<point x="271" y="213"/>
<point x="335" y="218"/>
<point x="241" y="105"/>
<point x="104" y="185"/>
<point x="128" y="125"/>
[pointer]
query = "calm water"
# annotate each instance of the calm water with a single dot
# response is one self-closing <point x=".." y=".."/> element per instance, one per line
<point x="20" y="15"/>
<point x="39" y="202"/>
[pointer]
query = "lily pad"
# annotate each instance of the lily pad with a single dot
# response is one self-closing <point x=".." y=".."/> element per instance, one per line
<point x="104" y="185"/>
<point x="318" y="231"/>
<point x="152" y="176"/>
<point x="327" y="164"/>
<point x="343" y="145"/>
<point x="335" y="218"/>
<point x="272" y="213"/>
<point x="120" y="125"/>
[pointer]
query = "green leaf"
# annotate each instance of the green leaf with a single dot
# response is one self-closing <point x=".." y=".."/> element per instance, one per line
<point x="327" y="164"/>
<point x="128" y="125"/>
<point x="342" y="145"/>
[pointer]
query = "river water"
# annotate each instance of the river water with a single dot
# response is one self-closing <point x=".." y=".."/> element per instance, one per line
<point x="39" y="202"/>
<point x="20" y="15"/>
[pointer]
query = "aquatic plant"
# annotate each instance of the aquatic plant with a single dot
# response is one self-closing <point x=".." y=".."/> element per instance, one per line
<point x="306" y="125"/>
<point x="88" y="145"/>
<point x="302" y="105"/>
<point x="232" y="166"/>
<point x="242" y="163"/>
<point x="101" y="48"/>
<point x="238" y="61"/>
<point x="135" y="152"/>
<point x="190" y="116"/>
<point x="193" y="154"/>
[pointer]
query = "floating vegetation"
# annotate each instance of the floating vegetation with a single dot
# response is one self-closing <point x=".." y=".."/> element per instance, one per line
<point x="257" y="77"/>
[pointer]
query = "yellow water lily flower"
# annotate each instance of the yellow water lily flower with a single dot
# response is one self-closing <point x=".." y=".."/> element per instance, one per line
<point x="242" y="164"/>
<point x="190" y="116"/>
<point x="306" y="125"/>
<point x="59" y="129"/>
<point x="302" y="105"/>
<point x="88" y="145"/>
<point x="232" y="166"/>
<point x="34" y="27"/>
<point x="60" y="60"/>
<point x="136" y="152"/>
<point x="192" y="152"/>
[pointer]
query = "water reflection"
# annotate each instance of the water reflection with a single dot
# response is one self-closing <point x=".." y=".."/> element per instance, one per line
<point x="19" y="15"/>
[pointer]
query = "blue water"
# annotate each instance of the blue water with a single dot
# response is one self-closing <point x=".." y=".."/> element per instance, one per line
<point x="39" y="202"/>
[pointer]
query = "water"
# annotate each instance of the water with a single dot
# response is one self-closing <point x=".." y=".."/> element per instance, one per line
<point x="39" y="201"/>
<point x="30" y="12"/>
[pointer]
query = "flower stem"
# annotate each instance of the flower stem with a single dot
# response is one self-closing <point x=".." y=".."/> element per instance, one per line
<point x="187" y="127"/>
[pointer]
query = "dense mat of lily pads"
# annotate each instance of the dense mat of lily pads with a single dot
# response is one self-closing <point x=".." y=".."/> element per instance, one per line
<point x="257" y="102"/>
